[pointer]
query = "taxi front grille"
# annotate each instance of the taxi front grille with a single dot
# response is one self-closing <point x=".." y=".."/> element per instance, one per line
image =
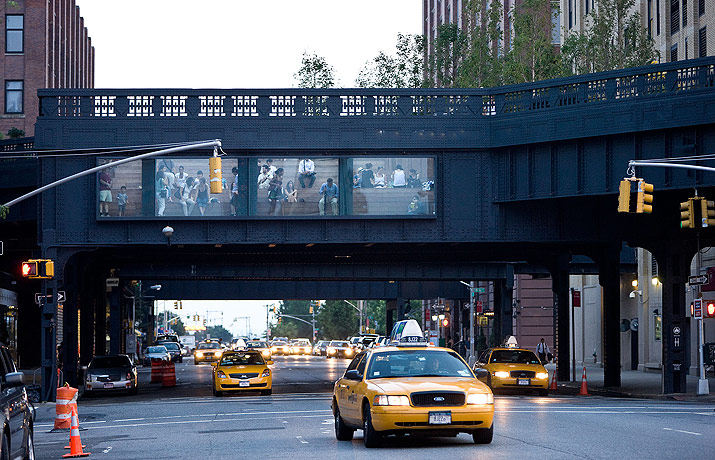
<point x="236" y="385"/>
<point x="437" y="398"/>
<point x="523" y="374"/>
<point x="244" y="376"/>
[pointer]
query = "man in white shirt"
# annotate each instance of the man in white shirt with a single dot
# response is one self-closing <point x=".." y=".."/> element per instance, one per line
<point x="543" y="351"/>
<point x="264" y="178"/>
<point x="306" y="170"/>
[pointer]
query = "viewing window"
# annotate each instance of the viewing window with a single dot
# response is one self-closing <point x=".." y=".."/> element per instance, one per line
<point x="14" y="95"/>
<point x="392" y="186"/>
<point x="120" y="189"/>
<point x="14" y="30"/>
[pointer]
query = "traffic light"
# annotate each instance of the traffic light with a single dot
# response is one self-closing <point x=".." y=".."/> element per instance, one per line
<point x="644" y="198"/>
<point x="710" y="310"/>
<point x="176" y="305"/>
<point x="215" y="174"/>
<point x="38" y="269"/>
<point x="687" y="214"/>
<point x="310" y="310"/>
<point x="624" y="196"/>
<point x="707" y="209"/>
<point x="204" y="321"/>
<point x="280" y="319"/>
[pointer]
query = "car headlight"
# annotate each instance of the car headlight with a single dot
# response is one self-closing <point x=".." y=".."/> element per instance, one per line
<point x="349" y="351"/>
<point x="199" y="354"/>
<point x="221" y="374"/>
<point x="385" y="400"/>
<point x="480" y="398"/>
<point x="331" y="350"/>
<point x="542" y="375"/>
<point x="501" y="374"/>
<point x="266" y="372"/>
<point x="274" y="349"/>
<point x="217" y="354"/>
<point x="266" y="353"/>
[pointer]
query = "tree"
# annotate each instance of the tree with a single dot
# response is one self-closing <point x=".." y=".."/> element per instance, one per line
<point x="337" y="320"/>
<point x="481" y="64"/>
<point x="613" y="39"/>
<point x="315" y="72"/>
<point x="448" y="50"/>
<point x="178" y="327"/>
<point x="214" y="332"/>
<point x="289" y="327"/>
<point x="15" y="133"/>
<point x="405" y="69"/>
<point x="532" y="56"/>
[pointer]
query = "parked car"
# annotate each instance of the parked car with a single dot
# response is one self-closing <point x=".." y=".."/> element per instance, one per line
<point x="174" y="350"/>
<point x="111" y="373"/>
<point x="319" y="348"/>
<point x="17" y="416"/>
<point x="156" y="352"/>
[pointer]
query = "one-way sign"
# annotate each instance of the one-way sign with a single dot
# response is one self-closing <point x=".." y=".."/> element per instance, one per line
<point x="696" y="280"/>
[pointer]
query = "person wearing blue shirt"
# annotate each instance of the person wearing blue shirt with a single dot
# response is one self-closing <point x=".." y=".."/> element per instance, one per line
<point x="329" y="192"/>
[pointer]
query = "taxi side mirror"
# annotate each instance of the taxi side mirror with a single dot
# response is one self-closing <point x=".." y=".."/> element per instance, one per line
<point x="353" y="374"/>
<point x="269" y="362"/>
<point x="481" y="373"/>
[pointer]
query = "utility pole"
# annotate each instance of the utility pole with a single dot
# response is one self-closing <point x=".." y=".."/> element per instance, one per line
<point x="313" y="321"/>
<point x="703" y="384"/>
<point x="267" y="324"/>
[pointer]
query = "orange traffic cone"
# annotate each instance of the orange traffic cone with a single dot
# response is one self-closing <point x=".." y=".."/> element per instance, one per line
<point x="584" y="385"/>
<point x="75" y="442"/>
<point x="553" y="386"/>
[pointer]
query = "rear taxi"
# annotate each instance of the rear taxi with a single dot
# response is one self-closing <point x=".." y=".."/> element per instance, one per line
<point x="279" y="347"/>
<point x="260" y="346"/>
<point x="207" y="352"/>
<point x="301" y="347"/>
<point x="242" y="371"/>
<point x="411" y="387"/>
<point x="514" y="369"/>
<point x="340" y="349"/>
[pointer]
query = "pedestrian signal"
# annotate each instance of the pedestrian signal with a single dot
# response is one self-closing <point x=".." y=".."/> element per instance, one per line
<point x="29" y="269"/>
<point x="710" y="310"/>
<point x="38" y="269"/>
<point x="707" y="210"/>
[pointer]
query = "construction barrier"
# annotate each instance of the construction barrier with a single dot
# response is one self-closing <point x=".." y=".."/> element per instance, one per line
<point x="157" y="370"/>
<point x="75" y="441"/>
<point x="169" y="377"/>
<point x="553" y="386"/>
<point x="66" y="403"/>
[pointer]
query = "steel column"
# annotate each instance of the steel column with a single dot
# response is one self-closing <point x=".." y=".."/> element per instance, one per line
<point x="609" y="278"/>
<point x="560" y="286"/>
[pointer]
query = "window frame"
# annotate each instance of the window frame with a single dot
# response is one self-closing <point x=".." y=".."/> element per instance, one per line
<point x="22" y="96"/>
<point x="702" y="40"/>
<point x="22" y="34"/>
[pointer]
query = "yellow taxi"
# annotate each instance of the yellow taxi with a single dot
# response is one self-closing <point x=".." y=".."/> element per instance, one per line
<point x="242" y="371"/>
<point x="260" y="346"/>
<point x="514" y="368"/>
<point x="207" y="352"/>
<point x="411" y="387"/>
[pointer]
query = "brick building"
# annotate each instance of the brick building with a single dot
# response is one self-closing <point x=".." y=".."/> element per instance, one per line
<point x="46" y="46"/>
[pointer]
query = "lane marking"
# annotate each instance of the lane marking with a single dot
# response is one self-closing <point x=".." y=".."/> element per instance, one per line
<point x="106" y="451"/>
<point x="302" y="441"/>
<point x="683" y="431"/>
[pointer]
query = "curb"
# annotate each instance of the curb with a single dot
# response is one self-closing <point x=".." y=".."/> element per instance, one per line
<point x="568" y="389"/>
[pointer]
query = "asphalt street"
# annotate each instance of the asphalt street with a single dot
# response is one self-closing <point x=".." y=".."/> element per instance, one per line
<point x="172" y="423"/>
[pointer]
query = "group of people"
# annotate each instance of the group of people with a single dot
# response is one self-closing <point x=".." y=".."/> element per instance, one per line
<point x="365" y="177"/>
<point x="105" y="194"/>
<point x="176" y="186"/>
<point x="280" y="195"/>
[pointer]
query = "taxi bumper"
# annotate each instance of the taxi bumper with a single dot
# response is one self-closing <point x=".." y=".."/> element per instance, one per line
<point x="257" y="383"/>
<point x="512" y="383"/>
<point x="402" y="418"/>
<point x="206" y="358"/>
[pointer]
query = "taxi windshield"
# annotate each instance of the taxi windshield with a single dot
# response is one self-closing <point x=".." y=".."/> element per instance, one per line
<point x="256" y="345"/>
<point x="514" y="357"/>
<point x="242" y="359"/>
<point x="338" y="344"/>
<point x="207" y="346"/>
<point x="278" y="344"/>
<point x="417" y="363"/>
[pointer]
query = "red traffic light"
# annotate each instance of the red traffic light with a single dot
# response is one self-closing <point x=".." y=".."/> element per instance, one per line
<point x="29" y="269"/>
<point x="445" y="322"/>
<point x="711" y="310"/>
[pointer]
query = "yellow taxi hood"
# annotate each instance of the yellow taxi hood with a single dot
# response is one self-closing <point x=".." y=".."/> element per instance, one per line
<point x="515" y="367"/>
<point x="407" y="385"/>
<point x="243" y="368"/>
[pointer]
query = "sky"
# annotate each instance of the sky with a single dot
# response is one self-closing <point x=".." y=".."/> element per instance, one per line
<point x="238" y="43"/>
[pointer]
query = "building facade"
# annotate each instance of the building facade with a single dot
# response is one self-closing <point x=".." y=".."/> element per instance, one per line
<point x="46" y="46"/>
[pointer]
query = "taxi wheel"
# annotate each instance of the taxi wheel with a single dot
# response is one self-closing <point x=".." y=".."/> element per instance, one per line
<point x="216" y="392"/>
<point x="484" y="435"/>
<point x="342" y="431"/>
<point x="370" y="437"/>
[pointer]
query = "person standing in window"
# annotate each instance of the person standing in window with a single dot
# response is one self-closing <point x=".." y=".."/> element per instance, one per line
<point x="187" y="203"/>
<point x="161" y="187"/>
<point x="379" y="178"/>
<point x="202" y="195"/>
<point x="329" y="192"/>
<point x="234" y="191"/>
<point x="105" y="192"/>
<point x="122" y="200"/>
<point x="275" y="190"/>
<point x="306" y="170"/>
<point x="398" y="177"/>
<point x="264" y="178"/>
<point x="413" y="180"/>
<point x="367" y="176"/>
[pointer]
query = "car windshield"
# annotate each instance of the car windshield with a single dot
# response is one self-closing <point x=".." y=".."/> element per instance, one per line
<point x="514" y="357"/>
<point x="104" y="362"/>
<point x="161" y="349"/>
<point x="278" y="344"/>
<point x="168" y="338"/>
<point x="256" y="344"/>
<point x="335" y="343"/>
<point x="301" y="343"/>
<point x="417" y="363"/>
<point x="171" y="346"/>
<point x="239" y="359"/>
<point x="208" y="346"/>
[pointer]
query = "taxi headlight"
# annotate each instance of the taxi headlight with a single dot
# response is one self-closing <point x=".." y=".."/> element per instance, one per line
<point x="501" y="374"/>
<point x="274" y="349"/>
<point x="221" y="375"/>
<point x="331" y="350"/>
<point x="384" y="400"/>
<point x="217" y="354"/>
<point x="480" y="398"/>
<point x="199" y="354"/>
<point x="266" y="353"/>
<point x="542" y="375"/>
<point x="266" y="372"/>
<point x="348" y="351"/>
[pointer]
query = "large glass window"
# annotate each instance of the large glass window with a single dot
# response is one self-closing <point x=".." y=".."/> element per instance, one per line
<point x="14" y="25"/>
<point x="182" y="188"/>
<point x="297" y="187"/>
<point x="14" y="94"/>
<point x="393" y="186"/>
<point x="120" y="189"/>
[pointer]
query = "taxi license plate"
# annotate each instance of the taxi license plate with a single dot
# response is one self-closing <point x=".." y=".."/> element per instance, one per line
<point x="108" y="385"/>
<point x="522" y="381"/>
<point x="244" y="383"/>
<point x="440" y="418"/>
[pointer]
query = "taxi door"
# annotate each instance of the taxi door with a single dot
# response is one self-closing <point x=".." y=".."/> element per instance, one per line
<point x="346" y="391"/>
<point x="356" y="392"/>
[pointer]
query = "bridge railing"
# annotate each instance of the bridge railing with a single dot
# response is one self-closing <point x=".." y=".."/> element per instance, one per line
<point x="558" y="94"/>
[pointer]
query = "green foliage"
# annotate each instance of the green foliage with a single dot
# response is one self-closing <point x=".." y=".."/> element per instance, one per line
<point x="448" y="51"/>
<point x="337" y="320"/>
<point x="375" y="313"/>
<point x="178" y="327"/>
<point x="614" y="39"/>
<point x="214" y="332"/>
<point x="314" y="72"/>
<point x="289" y="327"/>
<point x="404" y="69"/>
<point x="481" y="64"/>
<point x="15" y="133"/>
<point x="4" y="211"/>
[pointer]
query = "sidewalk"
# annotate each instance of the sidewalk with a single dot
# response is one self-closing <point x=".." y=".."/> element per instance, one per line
<point x="634" y="384"/>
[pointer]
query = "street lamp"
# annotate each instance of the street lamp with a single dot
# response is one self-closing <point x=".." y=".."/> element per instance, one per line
<point x="168" y="233"/>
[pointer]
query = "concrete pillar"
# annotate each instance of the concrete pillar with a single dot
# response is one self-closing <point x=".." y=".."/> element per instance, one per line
<point x="115" y="321"/>
<point x="69" y="358"/>
<point x="610" y="280"/>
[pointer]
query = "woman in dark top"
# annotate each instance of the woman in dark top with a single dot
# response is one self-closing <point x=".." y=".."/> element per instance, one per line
<point x="202" y="195"/>
<point x="275" y="190"/>
<point x="367" y="178"/>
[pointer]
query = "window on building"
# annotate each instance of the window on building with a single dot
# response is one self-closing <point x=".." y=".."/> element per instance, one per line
<point x="702" y="43"/>
<point x="685" y="16"/>
<point x="555" y="24"/>
<point x="650" y="18"/>
<point x="674" y="53"/>
<point x="674" y="16"/>
<point x="701" y="7"/>
<point x="686" y="47"/>
<point x="570" y="14"/>
<point x="14" y="95"/>
<point x="14" y="27"/>
<point x="657" y="17"/>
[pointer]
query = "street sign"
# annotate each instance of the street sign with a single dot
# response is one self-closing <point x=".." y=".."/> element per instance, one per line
<point x="483" y="321"/>
<point x="698" y="308"/>
<point x="480" y="290"/>
<point x="61" y="296"/>
<point x="479" y="306"/>
<point x="576" y="298"/>
<point x="112" y="282"/>
<point x="697" y="280"/>
<point x="39" y="297"/>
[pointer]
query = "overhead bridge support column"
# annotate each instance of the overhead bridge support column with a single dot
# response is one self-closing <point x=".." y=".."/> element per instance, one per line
<point x="560" y="286"/>
<point x="503" y="312"/>
<point x="609" y="278"/>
